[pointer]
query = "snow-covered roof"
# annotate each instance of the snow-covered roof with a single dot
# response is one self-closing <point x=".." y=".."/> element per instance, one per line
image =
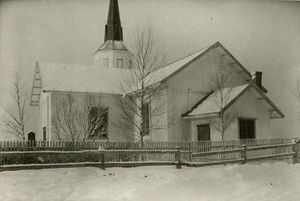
<point x="210" y="105"/>
<point x="81" y="78"/>
<point x="166" y="71"/>
<point x="112" y="45"/>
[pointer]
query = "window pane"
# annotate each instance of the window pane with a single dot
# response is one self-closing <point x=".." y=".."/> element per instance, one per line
<point x="247" y="128"/>
<point x="44" y="134"/>
<point x="119" y="63"/>
<point x="98" y="122"/>
<point x="146" y="118"/>
<point x="203" y="132"/>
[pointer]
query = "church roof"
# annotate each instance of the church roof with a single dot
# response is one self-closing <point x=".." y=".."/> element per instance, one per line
<point x="112" y="45"/>
<point x="175" y="67"/>
<point x="80" y="78"/>
<point x="113" y="28"/>
<point x="209" y="105"/>
<point x="96" y="79"/>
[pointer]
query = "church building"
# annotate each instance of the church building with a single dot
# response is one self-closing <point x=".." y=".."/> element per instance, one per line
<point x="207" y="95"/>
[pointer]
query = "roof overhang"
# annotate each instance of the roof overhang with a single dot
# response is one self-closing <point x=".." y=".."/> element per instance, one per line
<point x="274" y="111"/>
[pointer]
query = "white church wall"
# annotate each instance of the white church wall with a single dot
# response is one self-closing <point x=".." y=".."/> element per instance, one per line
<point x="115" y="133"/>
<point x="195" y="78"/>
<point x="159" y="117"/>
<point x="45" y="116"/>
<point x="247" y="106"/>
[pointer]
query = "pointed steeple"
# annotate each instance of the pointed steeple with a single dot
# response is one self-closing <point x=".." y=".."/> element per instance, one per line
<point x="113" y="28"/>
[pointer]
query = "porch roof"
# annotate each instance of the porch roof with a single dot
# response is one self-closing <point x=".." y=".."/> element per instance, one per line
<point x="210" y="105"/>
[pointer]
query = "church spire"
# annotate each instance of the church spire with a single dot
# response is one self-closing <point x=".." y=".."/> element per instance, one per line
<point x="113" y="28"/>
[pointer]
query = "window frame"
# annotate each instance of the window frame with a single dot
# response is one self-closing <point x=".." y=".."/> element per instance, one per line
<point x="149" y="118"/>
<point x="44" y="133"/>
<point x="130" y="64"/>
<point x="107" y="122"/>
<point x="209" y="133"/>
<point x="239" y="127"/>
<point x="122" y="62"/>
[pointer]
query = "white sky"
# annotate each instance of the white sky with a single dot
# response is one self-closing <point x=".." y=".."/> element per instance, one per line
<point x="263" y="36"/>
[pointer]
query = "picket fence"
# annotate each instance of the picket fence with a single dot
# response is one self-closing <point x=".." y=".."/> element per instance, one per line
<point x="199" y="146"/>
<point x="199" y="153"/>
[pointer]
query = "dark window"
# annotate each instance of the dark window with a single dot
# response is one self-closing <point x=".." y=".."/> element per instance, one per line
<point x="119" y="63"/>
<point x="146" y="118"/>
<point x="203" y="132"/>
<point x="98" y="122"/>
<point x="130" y="64"/>
<point x="247" y="128"/>
<point x="44" y="134"/>
<point x="31" y="136"/>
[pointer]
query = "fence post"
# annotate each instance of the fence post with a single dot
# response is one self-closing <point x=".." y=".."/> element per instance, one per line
<point x="190" y="156"/>
<point x="102" y="157"/>
<point x="244" y="154"/>
<point x="296" y="151"/>
<point x="178" y="157"/>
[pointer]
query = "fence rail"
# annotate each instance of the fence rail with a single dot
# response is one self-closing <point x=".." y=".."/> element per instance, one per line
<point x="101" y="158"/>
<point x="200" y="146"/>
<point x="44" y="154"/>
<point x="245" y="154"/>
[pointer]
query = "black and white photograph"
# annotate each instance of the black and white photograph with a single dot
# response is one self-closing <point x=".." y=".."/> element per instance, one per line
<point x="149" y="100"/>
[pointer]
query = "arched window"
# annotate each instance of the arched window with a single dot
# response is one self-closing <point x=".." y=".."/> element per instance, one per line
<point x="31" y="136"/>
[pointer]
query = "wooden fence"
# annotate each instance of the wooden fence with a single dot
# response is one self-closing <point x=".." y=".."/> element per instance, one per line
<point x="58" y="154"/>
<point x="15" y="160"/>
<point x="201" y="146"/>
<point x="288" y="152"/>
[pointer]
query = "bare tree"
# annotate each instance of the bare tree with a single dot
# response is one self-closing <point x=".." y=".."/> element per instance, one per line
<point x="140" y="104"/>
<point x="79" y="120"/>
<point x="221" y="97"/>
<point x="16" y="114"/>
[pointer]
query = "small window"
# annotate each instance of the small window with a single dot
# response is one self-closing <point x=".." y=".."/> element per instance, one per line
<point x="130" y="64"/>
<point x="247" y="128"/>
<point x="146" y="118"/>
<point x="203" y="132"/>
<point x="98" y="122"/>
<point x="105" y="62"/>
<point x="119" y="63"/>
<point x="44" y="134"/>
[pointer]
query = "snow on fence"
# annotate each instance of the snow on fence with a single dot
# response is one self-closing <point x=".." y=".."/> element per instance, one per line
<point x="15" y="160"/>
<point x="43" y="154"/>
<point x="200" y="146"/>
<point x="288" y="152"/>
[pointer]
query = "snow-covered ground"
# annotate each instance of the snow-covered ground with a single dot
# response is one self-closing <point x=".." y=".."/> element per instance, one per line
<point x="272" y="182"/>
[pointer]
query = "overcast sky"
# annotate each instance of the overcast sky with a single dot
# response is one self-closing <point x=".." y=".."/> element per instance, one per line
<point x="263" y="36"/>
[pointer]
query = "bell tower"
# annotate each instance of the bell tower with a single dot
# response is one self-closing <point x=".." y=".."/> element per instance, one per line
<point x="113" y="53"/>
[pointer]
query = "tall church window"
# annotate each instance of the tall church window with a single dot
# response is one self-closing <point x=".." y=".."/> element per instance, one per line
<point x="44" y="134"/>
<point x="130" y="64"/>
<point x="105" y="62"/>
<point x="98" y="123"/>
<point x="146" y="118"/>
<point x="119" y="63"/>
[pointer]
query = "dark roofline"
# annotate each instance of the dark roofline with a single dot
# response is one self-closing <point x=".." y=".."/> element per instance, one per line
<point x="215" y="45"/>
<point x="237" y="97"/>
<point x="198" y="103"/>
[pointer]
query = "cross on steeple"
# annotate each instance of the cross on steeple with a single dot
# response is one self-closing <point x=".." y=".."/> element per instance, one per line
<point x="113" y="28"/>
